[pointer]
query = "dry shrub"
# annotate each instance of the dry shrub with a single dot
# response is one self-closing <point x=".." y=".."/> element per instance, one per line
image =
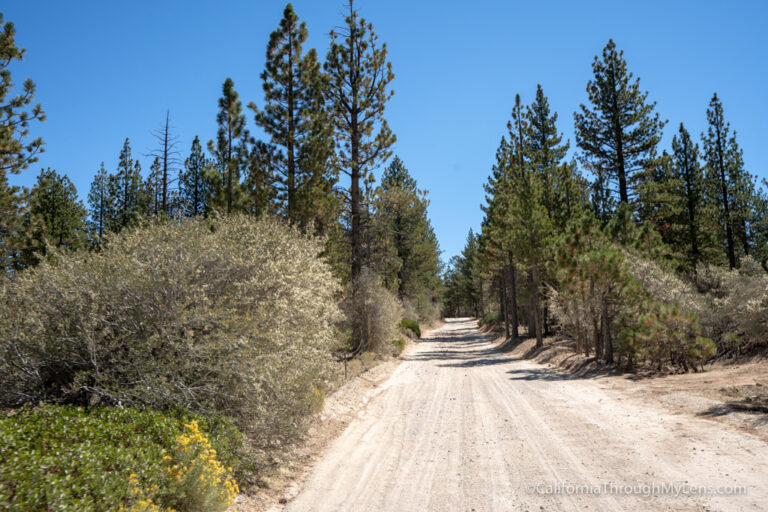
<point x="424" y="307"/>
<point x="373" y="314"/>
<point x="737" y="305"/>
<point x="666" y="286"/>
<point x="230" y="317"/>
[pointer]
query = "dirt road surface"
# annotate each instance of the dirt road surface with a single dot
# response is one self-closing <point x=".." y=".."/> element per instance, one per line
<point x="460" y="426"/>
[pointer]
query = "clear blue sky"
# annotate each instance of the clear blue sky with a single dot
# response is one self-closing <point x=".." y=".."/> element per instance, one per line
<point x="108" y="70"/>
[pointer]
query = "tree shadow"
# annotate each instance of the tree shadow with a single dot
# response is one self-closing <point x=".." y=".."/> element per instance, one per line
<point x="747" y="405"/>
<point x="468" y="348"/>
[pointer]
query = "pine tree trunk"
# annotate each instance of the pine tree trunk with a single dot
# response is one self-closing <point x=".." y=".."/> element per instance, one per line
<point x="535" y="306"/>
<point x="726" y="206"/>
<point x="355" y="207"/>
<point x="606" y="327"/>
<point x="503" y="302"/>
<point x="691" y="210"/>
<point x="595" y="323"/>
<point x="482" y="306"/>
<point x="618" y="135"/>
<point x="515" y="322"/>
<point x="291" y="178"/>
<point x="623" y="193"/>
<point x="597" y="338"/>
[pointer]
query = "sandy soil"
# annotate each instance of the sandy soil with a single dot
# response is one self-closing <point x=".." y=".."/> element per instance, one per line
<point x="277" y="485"/>
<point x="735" y="393"/>
<point x="462" y="426"/>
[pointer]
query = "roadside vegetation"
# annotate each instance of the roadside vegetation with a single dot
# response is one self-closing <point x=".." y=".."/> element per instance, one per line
<point x="163" y="342"/>
<point x="640" y="254"/>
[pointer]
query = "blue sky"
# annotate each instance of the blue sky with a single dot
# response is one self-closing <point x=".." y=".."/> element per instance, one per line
<point x="109" y="70"/>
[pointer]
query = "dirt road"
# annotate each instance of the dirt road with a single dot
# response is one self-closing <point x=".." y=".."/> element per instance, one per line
<point x="461" y="426"/>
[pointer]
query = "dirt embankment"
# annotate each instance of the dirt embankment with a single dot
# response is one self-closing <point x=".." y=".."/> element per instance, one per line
<point x="735" y="393"/>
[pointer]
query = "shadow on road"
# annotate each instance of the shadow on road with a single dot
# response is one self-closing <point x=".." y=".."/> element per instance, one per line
<point x="469" y="348"/>
<point x="759" y="408"/>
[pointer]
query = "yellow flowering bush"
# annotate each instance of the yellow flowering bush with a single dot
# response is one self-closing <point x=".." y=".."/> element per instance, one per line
<point x="194" y="480"/>
<point x="199" y="480"/>
<point x="70" y="459"/>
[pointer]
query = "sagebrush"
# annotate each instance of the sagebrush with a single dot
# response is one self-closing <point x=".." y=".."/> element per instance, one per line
<point x="373" y="314"/>
<point x="225" y="316"/>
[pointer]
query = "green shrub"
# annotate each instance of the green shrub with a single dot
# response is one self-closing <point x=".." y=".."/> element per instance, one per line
<point x="67" y="458"/>
<point x="490" y="318"/>
<point x="399" y="344"/>
<point x="231" y="316"/>
<point x="668" y="335"/>
<point x="610" y="293"/>
<point x="411" y="325"/>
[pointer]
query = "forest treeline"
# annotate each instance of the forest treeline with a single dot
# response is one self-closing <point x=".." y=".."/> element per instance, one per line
<point x="194" y="311"/>
<point x="639" y="253"/>
<point x="325" y="134"/>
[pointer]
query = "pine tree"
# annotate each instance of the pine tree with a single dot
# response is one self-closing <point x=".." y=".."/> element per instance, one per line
<point x="56" y="216"/>
<point x="193" y="182"/>
<point x="743" y="200"/>
<point x="550" y="194"/>
<point x="101" y="206"/>
<point x="547" y="153"/>
<point x="529" y="217"/>
<point x="230" y="150"/>
<point x="125" y="187"/>
<point x="724" y="173"/>
<point x="152" y="190"/>
<point x="258" y="186"/>
<point x="296" y="120"/>
<point x="358" y="80"/>
<point x="405" y="248"/>
<point x="618" y="133"/>
<point x="462" y="295"/>
<point x="760" y="225"/>
<point x="17" y="151"/>
<point x="696" y="216"/>
<point x="497" y="250"/>
<point x="659" y="201"/>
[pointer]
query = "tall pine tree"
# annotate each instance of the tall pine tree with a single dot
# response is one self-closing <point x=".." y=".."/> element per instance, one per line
<point x="230" y="150"/>
<point x="297" y="122"/>
<point x="619" y="131"/>
<point x="194" y="182"/>
<point x="17" y="150"/>
<point x="726" y="177"/>
<point x="696" y="221"/>
<point x="101" y="205"/>
<point x="358" y="90"/>
<point x="405" y="248"/>
<point x="168" y="161"/>
<point x="125" y="188"/>
<point x="56" y="216"/>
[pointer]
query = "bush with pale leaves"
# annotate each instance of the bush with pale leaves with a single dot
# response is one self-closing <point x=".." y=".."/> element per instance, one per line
<point x="229" y="317"/>
<point x="373" y="315"/>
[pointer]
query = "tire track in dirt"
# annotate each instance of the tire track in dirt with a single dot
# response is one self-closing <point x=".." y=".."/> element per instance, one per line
<point x="461" y="426"/>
